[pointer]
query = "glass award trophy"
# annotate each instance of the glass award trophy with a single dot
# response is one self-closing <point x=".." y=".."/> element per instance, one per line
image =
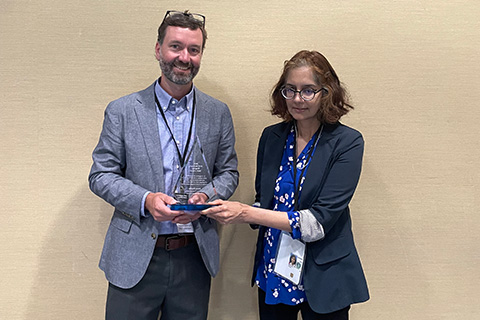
<point x="194" y="176"/>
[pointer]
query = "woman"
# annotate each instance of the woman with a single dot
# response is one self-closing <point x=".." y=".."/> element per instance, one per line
<point x="308" y="167"/>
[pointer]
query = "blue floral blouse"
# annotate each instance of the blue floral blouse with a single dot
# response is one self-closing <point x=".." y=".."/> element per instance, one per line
<point x="277" y="289"/>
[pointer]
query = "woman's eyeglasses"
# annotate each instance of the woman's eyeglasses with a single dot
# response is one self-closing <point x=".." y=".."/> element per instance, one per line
<point x="306" y="94"/>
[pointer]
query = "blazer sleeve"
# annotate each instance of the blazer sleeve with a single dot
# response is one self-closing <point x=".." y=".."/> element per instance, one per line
<point x="339" y="181"/>
<point x="107" y="175"/>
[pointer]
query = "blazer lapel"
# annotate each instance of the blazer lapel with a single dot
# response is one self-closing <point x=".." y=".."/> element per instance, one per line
<point x="145" y="110"/>
<point x="273" y="152"/>
<point x="315" y="175"/>
<point x="203" y="117"/>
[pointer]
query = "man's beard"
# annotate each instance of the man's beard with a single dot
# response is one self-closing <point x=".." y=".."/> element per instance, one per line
<point x="180" y="79"/>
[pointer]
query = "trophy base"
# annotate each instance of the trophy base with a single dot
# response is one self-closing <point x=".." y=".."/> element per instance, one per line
<point x="191" y="207"/>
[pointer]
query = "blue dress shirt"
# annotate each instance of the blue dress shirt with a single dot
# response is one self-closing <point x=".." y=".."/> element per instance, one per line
<point x="178" y="114"/>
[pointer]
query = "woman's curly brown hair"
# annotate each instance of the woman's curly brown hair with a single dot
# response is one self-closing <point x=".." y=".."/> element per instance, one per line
<point x="334" y="101"/>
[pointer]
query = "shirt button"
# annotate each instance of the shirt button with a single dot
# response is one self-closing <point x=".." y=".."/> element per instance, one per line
<point x="173" y="102"/>
<point x="178" y="118"/>
<point x="154" y="236"/>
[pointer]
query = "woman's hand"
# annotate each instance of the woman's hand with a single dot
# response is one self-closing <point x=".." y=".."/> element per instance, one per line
<point x="227" y="212"/>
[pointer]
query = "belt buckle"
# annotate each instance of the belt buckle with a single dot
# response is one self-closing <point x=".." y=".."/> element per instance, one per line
<point x="167" y="242"/>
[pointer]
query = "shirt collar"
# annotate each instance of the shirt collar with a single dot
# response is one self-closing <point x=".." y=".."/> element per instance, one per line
<point x="166" y="101"/>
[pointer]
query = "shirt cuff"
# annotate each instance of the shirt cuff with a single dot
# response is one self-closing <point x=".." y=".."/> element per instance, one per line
<point x="294" y="220"/>
<point x="142" y="208"/>
<point x="311" y="229"/>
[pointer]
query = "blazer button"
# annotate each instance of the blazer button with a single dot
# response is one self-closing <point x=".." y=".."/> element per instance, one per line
<point x="154" y="236"/>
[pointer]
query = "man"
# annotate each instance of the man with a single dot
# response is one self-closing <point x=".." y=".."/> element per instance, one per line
<point x="160" y="261"/>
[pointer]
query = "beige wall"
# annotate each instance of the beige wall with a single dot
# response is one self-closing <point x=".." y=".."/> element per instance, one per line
<point x="413" y="72"/>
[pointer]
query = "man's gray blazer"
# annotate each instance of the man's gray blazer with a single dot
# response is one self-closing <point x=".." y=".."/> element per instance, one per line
<point x="127" y="162"/>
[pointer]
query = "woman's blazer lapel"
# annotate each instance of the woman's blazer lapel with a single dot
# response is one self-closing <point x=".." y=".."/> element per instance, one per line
<point x="272" y="158"/>
<point x="315" y="176"/>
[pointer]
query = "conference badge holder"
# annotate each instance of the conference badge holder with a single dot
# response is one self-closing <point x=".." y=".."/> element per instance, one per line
<point x="289" y="259"/>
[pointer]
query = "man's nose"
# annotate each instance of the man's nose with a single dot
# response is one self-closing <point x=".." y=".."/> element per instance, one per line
<point x="184" y="55"/>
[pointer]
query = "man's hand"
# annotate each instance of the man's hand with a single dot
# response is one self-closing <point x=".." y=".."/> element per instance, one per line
<point x="183" y="217"/>
<point x="196" y="198"/>
<point x="156" y="204"/>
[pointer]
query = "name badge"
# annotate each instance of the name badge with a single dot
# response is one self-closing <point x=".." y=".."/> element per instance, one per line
<point x="185" y="228"/>
<point x="289" y="259"/>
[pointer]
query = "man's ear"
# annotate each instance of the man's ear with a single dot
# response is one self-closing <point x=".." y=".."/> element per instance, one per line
<point x="157" y="50"/>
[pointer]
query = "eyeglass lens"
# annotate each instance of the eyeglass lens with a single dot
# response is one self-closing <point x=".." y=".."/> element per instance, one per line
<point x="196" y="16"/>
<point x="306" y="94"/>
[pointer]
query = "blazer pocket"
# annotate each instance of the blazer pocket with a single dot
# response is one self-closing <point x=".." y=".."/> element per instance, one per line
<point x="121" y="221"/>
<point x="336" y="249"/>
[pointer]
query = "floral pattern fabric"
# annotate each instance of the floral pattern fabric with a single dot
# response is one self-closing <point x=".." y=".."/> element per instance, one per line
<point x="277" y="289"/>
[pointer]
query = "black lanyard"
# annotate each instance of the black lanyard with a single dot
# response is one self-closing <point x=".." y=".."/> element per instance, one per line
<point x="180" y="156"/>
<point x="307" y="161"/>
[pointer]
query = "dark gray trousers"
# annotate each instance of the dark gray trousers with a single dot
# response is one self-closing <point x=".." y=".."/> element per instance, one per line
<point x="176" y="286"/>
<point x="287" y="312"/>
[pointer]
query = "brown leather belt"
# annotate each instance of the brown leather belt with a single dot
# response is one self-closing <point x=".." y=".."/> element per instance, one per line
<point x="174" y="241"/>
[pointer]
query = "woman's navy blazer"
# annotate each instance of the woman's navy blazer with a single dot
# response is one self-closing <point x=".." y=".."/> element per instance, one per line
<point x="333" y="276"/>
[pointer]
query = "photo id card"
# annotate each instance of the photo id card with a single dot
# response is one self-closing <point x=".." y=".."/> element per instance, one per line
<point x="289" y="259"/>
